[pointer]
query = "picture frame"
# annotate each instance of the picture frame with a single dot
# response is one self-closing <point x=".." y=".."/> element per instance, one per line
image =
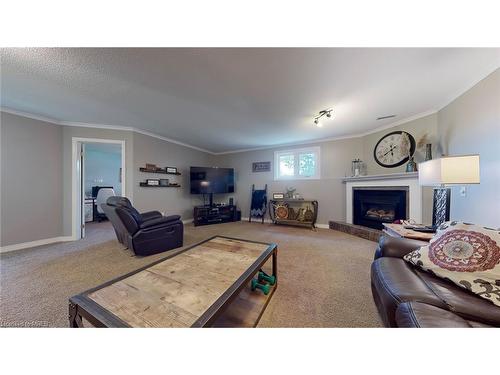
<point x="171" y="169"/>
<point x="261" y="166"/>
<point x="278" y="196"/>
<point x="153" y="182"/>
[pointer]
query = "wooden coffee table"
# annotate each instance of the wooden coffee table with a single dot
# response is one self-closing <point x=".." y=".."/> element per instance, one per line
<point x="205" y="285"/>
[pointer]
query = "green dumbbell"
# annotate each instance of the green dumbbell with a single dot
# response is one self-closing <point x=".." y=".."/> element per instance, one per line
<point x="264" y="287"/>
<point x="270" y="279"/>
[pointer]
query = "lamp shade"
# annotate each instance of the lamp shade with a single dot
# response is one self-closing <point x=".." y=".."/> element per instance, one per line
<point x="449" y="170"/>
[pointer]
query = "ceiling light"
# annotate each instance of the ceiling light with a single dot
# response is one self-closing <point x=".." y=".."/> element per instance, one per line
<point x="325" y="112"/>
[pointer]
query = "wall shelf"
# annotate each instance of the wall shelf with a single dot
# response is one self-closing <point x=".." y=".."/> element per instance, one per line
<point x="159" y="171"/>
<point x="143" y="184"/>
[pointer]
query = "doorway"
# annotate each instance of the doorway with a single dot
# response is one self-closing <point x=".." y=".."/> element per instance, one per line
<point x="98" y="164"/>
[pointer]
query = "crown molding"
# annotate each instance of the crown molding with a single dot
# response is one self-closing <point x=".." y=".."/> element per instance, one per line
<point x="30" y="115"/>
<point x="100" y="126"/>
<point x="150" y="134"/>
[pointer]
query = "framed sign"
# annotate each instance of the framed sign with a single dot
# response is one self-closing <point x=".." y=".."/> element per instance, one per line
<point x="261" y="166"/>
<point x="171" y="169"/>
<point x="278" y="196"/>
<point x="153" y="182"/>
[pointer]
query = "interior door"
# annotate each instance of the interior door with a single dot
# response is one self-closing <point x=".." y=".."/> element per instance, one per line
<point x="80" y="167"/>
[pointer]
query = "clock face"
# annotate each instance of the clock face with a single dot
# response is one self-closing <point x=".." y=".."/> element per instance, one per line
<point x="392" y="151"/>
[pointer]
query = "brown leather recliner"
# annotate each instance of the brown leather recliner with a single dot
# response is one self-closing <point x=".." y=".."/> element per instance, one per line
<point x="409" y="297"/>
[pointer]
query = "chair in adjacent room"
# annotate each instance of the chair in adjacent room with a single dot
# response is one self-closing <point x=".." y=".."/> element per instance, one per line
<point x="102" y="196"/>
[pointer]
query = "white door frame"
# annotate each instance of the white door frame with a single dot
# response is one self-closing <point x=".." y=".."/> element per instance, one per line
<point x="76" y="212"/>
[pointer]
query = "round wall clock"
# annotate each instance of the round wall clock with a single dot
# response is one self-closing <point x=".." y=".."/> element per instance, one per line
<point x="391" y="150"/>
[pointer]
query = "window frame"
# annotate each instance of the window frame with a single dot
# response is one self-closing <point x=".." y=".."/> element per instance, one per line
<point x="316" y="150"/>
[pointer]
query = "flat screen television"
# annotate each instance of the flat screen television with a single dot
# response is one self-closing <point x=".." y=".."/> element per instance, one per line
<point x="206" y="180"/>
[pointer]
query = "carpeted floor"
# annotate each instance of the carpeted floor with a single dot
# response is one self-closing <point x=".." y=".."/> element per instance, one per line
<point x="324" y="275"/>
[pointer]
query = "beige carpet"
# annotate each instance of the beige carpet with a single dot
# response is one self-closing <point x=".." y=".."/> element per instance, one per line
<point x="324" y="275"/>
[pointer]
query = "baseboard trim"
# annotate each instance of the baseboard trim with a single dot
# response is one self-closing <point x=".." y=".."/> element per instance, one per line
<point x="188" y="221"/>
<point x="26" y="245"/>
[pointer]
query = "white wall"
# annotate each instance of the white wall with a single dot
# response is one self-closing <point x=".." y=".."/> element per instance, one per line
<point x="471" y="125"/>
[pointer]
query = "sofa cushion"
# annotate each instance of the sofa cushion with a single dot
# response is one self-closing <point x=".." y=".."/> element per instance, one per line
<point x="394" y="281"/>
<point x="461" y="301"/>
<point x="422" y="315"/>
<point x="466" y="254"/>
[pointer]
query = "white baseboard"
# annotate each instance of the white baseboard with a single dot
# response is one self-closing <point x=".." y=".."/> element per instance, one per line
<point x="25" y="245"/>
<point x="187" y="221"/>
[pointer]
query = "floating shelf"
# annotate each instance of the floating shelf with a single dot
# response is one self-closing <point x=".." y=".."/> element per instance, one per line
<point x="159" y="171"/>
<point x="143" y="184"/>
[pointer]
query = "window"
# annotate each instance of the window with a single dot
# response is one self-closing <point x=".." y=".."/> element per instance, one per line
<point x="297" y="164"/>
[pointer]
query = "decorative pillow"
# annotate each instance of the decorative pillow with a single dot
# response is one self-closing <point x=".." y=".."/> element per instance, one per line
<point x="466" y="254"/>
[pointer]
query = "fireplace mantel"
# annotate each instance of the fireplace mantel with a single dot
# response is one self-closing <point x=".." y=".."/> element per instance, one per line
<point x="409" y="180"/>
<point x="391" y="176"/>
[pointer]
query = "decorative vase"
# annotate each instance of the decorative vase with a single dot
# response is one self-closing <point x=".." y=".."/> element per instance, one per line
<point x="428" y="151"/>
<point x="411" y="166"/>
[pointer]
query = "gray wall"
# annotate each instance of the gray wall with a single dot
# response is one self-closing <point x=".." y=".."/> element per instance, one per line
<point x="31" y="180"/>
<point x="336" y="159"/>
<point x="162" y="153"/>
<point x="471" y="125"/>
<point x="417" y="128"/>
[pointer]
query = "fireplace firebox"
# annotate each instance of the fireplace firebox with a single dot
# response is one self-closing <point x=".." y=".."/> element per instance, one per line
<point x="373" y="206"/>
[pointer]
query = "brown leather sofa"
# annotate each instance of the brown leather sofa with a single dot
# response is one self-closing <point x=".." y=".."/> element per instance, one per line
<point x="409" y="297"/>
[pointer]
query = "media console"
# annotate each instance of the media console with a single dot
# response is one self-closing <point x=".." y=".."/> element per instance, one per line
<point x="205" y="215"/>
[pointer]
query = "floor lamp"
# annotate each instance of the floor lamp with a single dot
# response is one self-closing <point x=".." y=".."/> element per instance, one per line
<point x="448" y="170"/>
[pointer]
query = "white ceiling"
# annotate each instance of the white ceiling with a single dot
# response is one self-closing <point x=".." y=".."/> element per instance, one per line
<point x="239" y="98"/>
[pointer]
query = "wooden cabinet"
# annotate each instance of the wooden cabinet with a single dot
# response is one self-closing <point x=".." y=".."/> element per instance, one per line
<point x="204" y="215"/>
<point x="294" y="212"/>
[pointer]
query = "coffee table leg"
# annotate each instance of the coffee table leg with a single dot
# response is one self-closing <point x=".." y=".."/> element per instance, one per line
<point x="275" y="264"/>
<point x="75" y="320"/>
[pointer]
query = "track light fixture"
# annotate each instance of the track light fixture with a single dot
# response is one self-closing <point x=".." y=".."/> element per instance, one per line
<point x="325" y="112"/>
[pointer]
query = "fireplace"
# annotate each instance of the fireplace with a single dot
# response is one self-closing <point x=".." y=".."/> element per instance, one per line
<point x="373" y="206"/>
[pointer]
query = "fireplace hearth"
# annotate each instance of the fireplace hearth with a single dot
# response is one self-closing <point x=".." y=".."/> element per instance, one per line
<point x="373" y="206"/>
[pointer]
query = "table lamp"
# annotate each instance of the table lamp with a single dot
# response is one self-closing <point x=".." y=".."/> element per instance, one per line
<point x="448" y="170"/>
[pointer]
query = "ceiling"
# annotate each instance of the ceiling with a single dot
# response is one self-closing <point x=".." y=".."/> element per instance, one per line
<point x="227" y="99"/>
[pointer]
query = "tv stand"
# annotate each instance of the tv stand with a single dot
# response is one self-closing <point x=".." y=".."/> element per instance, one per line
<point x="213" y="214"/>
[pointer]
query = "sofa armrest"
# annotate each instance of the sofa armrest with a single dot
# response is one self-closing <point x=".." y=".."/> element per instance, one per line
<point x="151" y="215"/>
<point x="161" y="221"/>
<point x="396" y="247"/>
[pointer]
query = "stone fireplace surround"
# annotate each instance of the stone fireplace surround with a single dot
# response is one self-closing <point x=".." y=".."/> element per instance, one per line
<point x="397" y="180"/>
